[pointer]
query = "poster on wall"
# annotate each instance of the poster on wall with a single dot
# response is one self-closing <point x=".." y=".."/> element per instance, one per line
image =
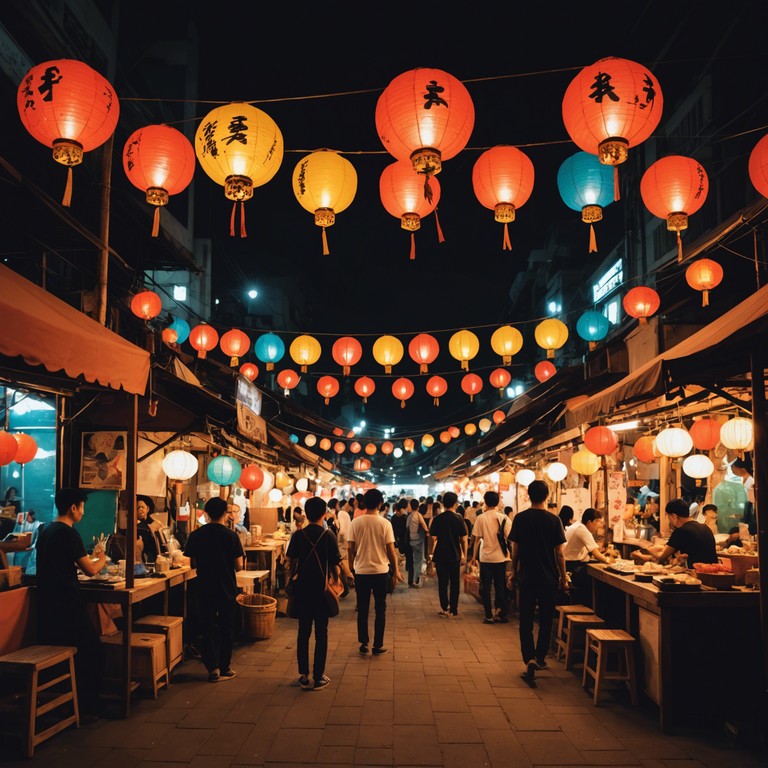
<point x="102" y="460"/>
<point x="523" y="499"/>
<point x="576" y="498"/>
<point x="617" y="497"/>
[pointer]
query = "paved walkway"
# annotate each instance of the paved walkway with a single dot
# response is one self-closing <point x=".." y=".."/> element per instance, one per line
<point x="448" y="694"/>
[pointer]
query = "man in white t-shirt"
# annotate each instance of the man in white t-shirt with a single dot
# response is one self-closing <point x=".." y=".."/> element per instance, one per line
<point x="580" y="547"/>
<point x="493" y="560"/>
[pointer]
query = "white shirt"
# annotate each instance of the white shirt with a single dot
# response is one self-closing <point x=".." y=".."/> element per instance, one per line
<point x="343" y="521"/>
<point x="486" y="527"/>
<point x="371" y="534"/>
<point x="579" y="542"/>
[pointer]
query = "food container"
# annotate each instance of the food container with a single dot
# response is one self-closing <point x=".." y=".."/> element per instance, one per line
<point x="752" y="578"/>
<point x="717" y="580"/>
<point x="739" y="565"/>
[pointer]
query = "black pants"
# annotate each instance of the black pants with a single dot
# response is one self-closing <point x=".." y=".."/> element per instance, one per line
<point x="365" y="585"/>
<point x="448" y="581"/>
<point x="544" y="596"/>
<point x="319" y="618"/>
<point x="216" y="621"/>
<point x="581" y="583"/>
<point x="496" y="574"/>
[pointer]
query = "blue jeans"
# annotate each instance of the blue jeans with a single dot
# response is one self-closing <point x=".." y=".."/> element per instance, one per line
<point x="417" y="548"/>
<point x="365" y="585"/>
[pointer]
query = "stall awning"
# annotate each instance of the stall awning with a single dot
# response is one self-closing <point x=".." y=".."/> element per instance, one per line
<point x="44" y="330"/>
<point x="732" y="335"/>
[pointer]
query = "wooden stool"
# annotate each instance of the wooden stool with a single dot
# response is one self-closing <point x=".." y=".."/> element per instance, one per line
<point x="559" y="636"/>
<point x="248" y="580"/>
<point x="172" y="628"/>
<point x="603" y="643"/>
<point x="31" y="662"/>
<point x="576" y="625"/>
<point x="148" y="661"/>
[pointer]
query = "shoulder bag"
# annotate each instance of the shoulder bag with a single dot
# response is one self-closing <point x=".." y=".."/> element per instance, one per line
<point x="333" y="586"/>
<point x="502" y="538"/>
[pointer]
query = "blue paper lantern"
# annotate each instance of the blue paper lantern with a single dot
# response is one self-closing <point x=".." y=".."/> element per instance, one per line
<point x="592" y="326"/>
<point x="181" y="327"/>
<point x="586" y="185"/>
<point x="224" y="470"/>
<point x="294" y="438"/>
<point x="269" y="348"/>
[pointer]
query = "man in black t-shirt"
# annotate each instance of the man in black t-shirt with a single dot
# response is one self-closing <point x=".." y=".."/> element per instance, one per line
<point x="62" y="618"/>
<point x="539" y="566"/>
<point x="217" y="554"/>
<point x="449" y="547"/>
<point x="689" y="538"/>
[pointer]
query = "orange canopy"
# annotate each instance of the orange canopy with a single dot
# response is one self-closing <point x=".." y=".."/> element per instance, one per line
<point x="44" y="330"/>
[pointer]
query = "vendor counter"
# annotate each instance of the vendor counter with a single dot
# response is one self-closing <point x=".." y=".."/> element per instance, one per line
<point x="699" y="652"/>
<point x="265" y="555"/>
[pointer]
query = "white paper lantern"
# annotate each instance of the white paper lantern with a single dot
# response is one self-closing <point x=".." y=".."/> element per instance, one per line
<point x="275" y="495"/>
<point x="484" y="424"/>
<point x="494" y="478"/>
<point x="269" y="482"/>
<point x="698" y="466"/>
<point x="736" y="434"/>
<point x="302" y="484"/>
<point x="310" y="440"/>
<point x="397" y="453"/>
<point x="557" y="471"/>
<point x="180" y="465"/>
<point x="674" y="442"/>
<point x="525" y="477"/>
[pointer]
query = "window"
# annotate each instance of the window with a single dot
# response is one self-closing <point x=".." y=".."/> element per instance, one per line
<point x="180" y="292"/>
<point x="611" y="311"/>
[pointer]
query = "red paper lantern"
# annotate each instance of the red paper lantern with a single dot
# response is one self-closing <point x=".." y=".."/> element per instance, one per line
<point x="454" y="431"/>
<point x="169" y="335"/>
<point x="544" y="370"/>
<point x="423" y="349"/>
<point x="328" y="387"/>
<point x="758" y="166"/>
<point x="402" y="195"/>
<point x="705" y="434"/>
<point x="600" y="440"/>
<point x="70" y="107"/>
<point x="339" y="447"/>
<point x="641" y="302"/>
<point x="673" y="188"/>
<point x="402" y="389"/>
<point x="27" y="448"/>
<point x="346" y="352"/>
<point x="437" y="386"/>
<point x="370" y="448"/>
<point x="355" y="447"/>
<point x="234" y="343"/>
<point x="704" y="275"/>
<point x="203" y="338"/>
<point x="387" y="447"/>
<point x="146" y="305"/>
<point x="250" y="371"/>
<point x="365" y="387"/>
<point x="611" y="106"/>
<point x="498" y="417"/>
<point x="499" y="378"/>
<point x="325" y="444"/>
<point x="361" y="465"/>
<point x="445" y="437"/>
<point x="408" y="444"/>
<point x="643" y="449"/>
<point x="502" y="179"/>
<point x="338" y="431"/>
<point x="471" y="383"/>
<point x="288" y="379"/>
<point x="8" y="448"/>
<point x="251" y="477"/>
<point x="160" y="161"/>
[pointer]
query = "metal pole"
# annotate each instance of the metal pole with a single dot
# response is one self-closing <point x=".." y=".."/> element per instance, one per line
<point x="103" y="268"/>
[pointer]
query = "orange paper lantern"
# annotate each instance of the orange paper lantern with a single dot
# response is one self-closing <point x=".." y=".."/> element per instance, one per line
<point x="758" y="166"/>
<point x="544" y="370"/>
<point x="641" y="302"/>
<point x="328" y="387"/>
<point x="203" y="338"/>
<point x="471" y="383"/>
<point x="408" y="444"/>
<point x="251" y="477"/>
<point x="643" y="449"/>
<point x="325" y="444"/>
<point x="365" y="387"/>
<point x="234" y="343"/>
<point x="437" y="386"/>
<point x="600" y="440"/>
<point x="346" y="352"/>
<point x="704" y="275"/>
<point x="370" y="448"/>
<point x="250" y="371"/>
<point x="8" y="448"/>
<point x="445" y="437"/>
<point x="27" y="448"/>
<point x="339" y="447"/>
<point x="498" y="417"/>
<point x="387" y="447"/>
<point x="355" y="447"/>
<point x="423" y="349"/>
<point x="402" y="389"/>
<point x="288" y="379"/>
<point x="499" y="378"/>
<point x="70" y="107"/>
<point x="705" y="434"/>
<point x="454" y="431"/>
<point x="160" y="161"/>
<point x="146" y="305"/>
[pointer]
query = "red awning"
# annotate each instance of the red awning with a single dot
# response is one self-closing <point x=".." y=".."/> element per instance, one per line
<point x="44" y="330"/>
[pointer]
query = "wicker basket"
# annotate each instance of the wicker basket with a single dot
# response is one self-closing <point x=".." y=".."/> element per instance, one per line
<point x="258" y="615"/>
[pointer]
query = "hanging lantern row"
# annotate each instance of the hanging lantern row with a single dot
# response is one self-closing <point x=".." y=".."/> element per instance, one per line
<point x="16" y="446"/>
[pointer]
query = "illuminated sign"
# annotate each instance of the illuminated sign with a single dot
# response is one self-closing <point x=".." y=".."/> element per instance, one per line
<point x="610" y="280"/>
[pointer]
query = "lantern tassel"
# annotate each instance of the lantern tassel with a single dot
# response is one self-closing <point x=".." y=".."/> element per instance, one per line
<point x="679" y="248"/>
<point x="592" y="240"/>
<point x="440" y="235"/>
<point x="402" y="403"/>
<point x="67" y="199"/>
<point x="427" y="189"/>
<point x="243" y="233"/>
<point x="506" y="243"/>
<point x="436" y="401"/>
<point x="326" y="252"/>
<point x="413" y="247"/>
<point x="616" y="195"/>
<point x="423" y="368"/>
<point x="705" y="298"/>
<point x="156" y="222"/>
<point x="232" y="220"/>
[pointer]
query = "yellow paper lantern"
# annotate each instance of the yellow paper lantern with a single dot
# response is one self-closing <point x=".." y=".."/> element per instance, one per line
<point x="674" y="442"/>
<point x="388" y="351"/>
<point x="736" y="434"/>
<point x="427" y="441"/>
<point x="305" y="351"/>
<point x="282" y="480"/>
<point x="551" y="334"/>
<point x="325" y="183"/>
<point x="585" y="462"/>
<point x="506" y="341"/>
<point x="463" y="346"/>
<point x="470" y="429"/>
<point x="239" y="147"/>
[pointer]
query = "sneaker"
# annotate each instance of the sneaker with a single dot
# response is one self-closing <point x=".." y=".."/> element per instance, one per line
<point x="379" y="651"/>
<point x="305" y="682"/>
<point x="321" y="683"/>
<point x="542" y="665"/>
<point x="213" y="676"/>
<point x="443" y="613"/>
<point x="488" y="621"/>
<point x="363" y="649"/>
<point x="227" y="674"/>
<point x="453" y="615"/>
<point x="418" y="584"/>
<point x="530" y="671"/>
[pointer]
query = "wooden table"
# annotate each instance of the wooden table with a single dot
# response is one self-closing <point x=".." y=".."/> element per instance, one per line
<point x="700" y="652"/>
<point x="273" y="549"/>
<point x="126" y="599"/>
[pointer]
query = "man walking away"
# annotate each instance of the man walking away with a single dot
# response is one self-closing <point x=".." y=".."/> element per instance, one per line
<point x="372" y="552"/>
<point x="493" y="559"/>
<point x="217" y="554"/>
<point x="539" y="566"/>
<point x="448" y="534"/>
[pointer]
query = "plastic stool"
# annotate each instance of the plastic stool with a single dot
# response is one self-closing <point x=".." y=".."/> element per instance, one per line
<point x="559" y="636"/>
<point x="31" y="662"/>
<point x="576" y="625"/>
<point x="602" y="643"/>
